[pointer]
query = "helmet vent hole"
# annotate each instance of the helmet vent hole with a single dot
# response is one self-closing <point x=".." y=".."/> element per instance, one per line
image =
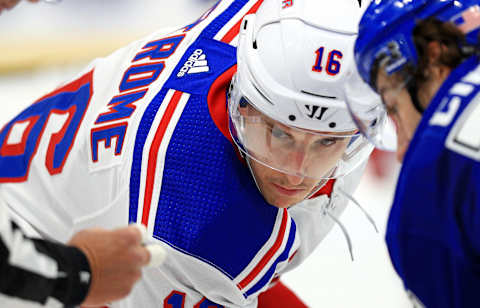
<point x="255" y="45"/>
<point x="245" y="25"/>
<point x="292" y="117"/>
<point x="332" y="124"/>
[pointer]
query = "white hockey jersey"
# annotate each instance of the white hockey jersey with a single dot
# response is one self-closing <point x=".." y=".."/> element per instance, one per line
<point x="142" y="136"/>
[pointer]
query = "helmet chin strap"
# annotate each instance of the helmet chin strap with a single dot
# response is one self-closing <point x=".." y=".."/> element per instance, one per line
<point x="413" y="90"/>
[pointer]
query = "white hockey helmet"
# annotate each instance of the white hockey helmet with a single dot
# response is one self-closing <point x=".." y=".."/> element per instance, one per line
<point x="294" y="58"/>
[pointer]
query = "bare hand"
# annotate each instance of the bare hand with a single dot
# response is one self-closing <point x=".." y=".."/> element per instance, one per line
<point x="115" y="258"/>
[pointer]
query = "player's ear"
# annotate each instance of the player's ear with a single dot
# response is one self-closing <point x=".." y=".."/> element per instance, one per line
<point x="435" y="50"/>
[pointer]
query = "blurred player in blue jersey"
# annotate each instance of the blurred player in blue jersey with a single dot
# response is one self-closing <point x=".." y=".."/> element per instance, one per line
<point x="239" y="161"/>
<point x="422" y="58"/>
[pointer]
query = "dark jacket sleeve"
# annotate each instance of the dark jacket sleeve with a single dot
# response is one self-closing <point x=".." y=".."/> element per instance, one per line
<point x="34" y="270"/>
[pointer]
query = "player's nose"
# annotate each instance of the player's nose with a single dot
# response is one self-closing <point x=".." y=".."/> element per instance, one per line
<point x="294" y="180"/>
<point x="297" y="160"/>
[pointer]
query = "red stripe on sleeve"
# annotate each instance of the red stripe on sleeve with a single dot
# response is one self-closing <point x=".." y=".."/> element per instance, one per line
<point x="152" y="156"/>
<point x="278" y="242"/>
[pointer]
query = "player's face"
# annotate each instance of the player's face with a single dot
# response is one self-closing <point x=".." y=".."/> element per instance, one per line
<point x="399" y="107"/>
<point x="294" y="151"/>
<point x="280" y="189"/>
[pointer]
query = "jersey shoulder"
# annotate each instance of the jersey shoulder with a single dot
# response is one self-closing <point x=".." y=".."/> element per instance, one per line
<point x="453" y="120"/>
<point x="132" y="83"/>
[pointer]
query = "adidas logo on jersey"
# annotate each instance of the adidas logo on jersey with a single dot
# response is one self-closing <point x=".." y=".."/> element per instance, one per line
<point x="196" y="63"/>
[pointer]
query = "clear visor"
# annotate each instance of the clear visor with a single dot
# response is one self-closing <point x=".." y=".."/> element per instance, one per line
<point x="370" y="114"/>
<point x="291" y="150"/>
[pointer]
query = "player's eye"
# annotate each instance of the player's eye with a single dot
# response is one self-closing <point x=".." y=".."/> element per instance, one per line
<point x="326" y="142"/>
<point x="279" y="133"/>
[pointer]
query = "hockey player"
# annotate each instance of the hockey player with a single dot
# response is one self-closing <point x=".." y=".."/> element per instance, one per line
<point x="422" y="58"/>
<point x="238" y="161"/>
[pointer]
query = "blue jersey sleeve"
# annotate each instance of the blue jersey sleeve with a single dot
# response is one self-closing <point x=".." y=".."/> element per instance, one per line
<point x="451" y="282"/>
<point x="433" y="232"/>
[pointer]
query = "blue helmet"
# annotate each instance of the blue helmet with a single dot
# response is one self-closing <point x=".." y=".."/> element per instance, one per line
<point x="387" y="26"/>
